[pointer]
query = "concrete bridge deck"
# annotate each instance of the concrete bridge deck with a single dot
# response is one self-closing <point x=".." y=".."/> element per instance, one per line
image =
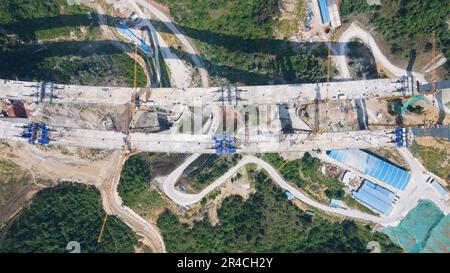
<point x="270" y="94"/>
<point x="186" y="143"/>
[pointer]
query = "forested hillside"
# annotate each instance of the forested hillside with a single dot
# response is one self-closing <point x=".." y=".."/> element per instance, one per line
<point x="267" y="222"/>
<point x="53" y="41"/>
<point x="406" y="25"/>
<point x="237" y="43"/>
<point x="68" y="212"/>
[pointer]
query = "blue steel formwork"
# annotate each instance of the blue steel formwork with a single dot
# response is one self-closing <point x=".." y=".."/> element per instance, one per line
<point x="324" y="11"/>
<point x="224" y="145"/>
<point x="373" y="166"/>
<point x="36" y="133"/>
<point x="375" y="197"/>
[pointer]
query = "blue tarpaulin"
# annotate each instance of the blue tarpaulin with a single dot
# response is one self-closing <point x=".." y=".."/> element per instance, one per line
<point x="122" y="28"/>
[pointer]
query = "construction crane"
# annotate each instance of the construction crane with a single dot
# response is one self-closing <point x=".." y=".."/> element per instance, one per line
<point x="134" y="98"/>
<point x="329" y="67"/>
<point x="126" y="149"/>
<point x="99" y="239"/>
<point x="433" y="92"/>
<point x="278" y="169"/>
<point x="434" y="78"/>
<point x="330" y="45"/>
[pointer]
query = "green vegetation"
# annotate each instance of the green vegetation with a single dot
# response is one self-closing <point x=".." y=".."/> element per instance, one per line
<point x="406" y="25"/>
<point x="267" y="222"/>
<point x="68" y="212"/>
<point x="42" y="19"/>
<point x="350" y="7"/>
<point x="236" y="39"/>
<point x="134" y="186"/>
<point x="12" y="176"/>
<point x="135" y="178"/>
<point x="361" y="61"/>
<point x="54" y="41"/>
<point x="16" y="184"/>
<point x="289" y="25"/>
<point x="208" y="168"/>
<point x="306" y="173"/>
<point x="437" y="160"/>
<point x="70" y="64"/>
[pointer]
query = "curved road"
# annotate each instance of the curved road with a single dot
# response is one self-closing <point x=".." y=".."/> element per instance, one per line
<point x="113" y="204"/>
<point x="354" y="31"/>
<point x="185" y="199"/>
<point x="178" y="70"/>
<point x="181" y="37"/>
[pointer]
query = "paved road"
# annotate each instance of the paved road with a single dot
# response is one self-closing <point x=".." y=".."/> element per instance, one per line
<point x="185" y="199"/>
<point x="188" y="47"/>
<point x="178" y="71"/>
<point x="112" y="203"/>
<point x="418" y="189"/>
<point x="355" y="32"/>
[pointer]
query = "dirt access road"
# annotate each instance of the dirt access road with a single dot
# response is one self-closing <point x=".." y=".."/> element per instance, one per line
<point x="103" y="173"/>
<point x="185" y="199"/>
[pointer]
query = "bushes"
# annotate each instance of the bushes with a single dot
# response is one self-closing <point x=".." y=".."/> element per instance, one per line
<point x="267" y="222"/>
<point x="210" y="168"/>
<point x="237" y="42"/>
<point x="406" y="25"/>
<point x="62" y="60"/>
<point x="349" y="7"/>
<point x="135" y="186"/>
<point x="306" y="173"/>
<point x="40" y="19"/>
<point x="68" y="212"/>
<point x="135" y="178"/>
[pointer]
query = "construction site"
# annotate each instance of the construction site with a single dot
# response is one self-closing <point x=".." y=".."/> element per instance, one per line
<point x="85" y="134"/>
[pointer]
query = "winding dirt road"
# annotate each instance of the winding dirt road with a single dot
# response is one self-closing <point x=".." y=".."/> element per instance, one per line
<point x="113" y="204"/>
<point x="355" y="32"/>
<point x="185" y="199"/>
<point x="188" y="46"/>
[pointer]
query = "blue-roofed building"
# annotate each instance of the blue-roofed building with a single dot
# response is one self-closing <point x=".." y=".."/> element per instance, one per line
<point x="373" y="166"/>
<point x="336" y="203"/>
<point x="289" y="195"/>
<point x="375" y="197"/>
<point x="323" y="6"/>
